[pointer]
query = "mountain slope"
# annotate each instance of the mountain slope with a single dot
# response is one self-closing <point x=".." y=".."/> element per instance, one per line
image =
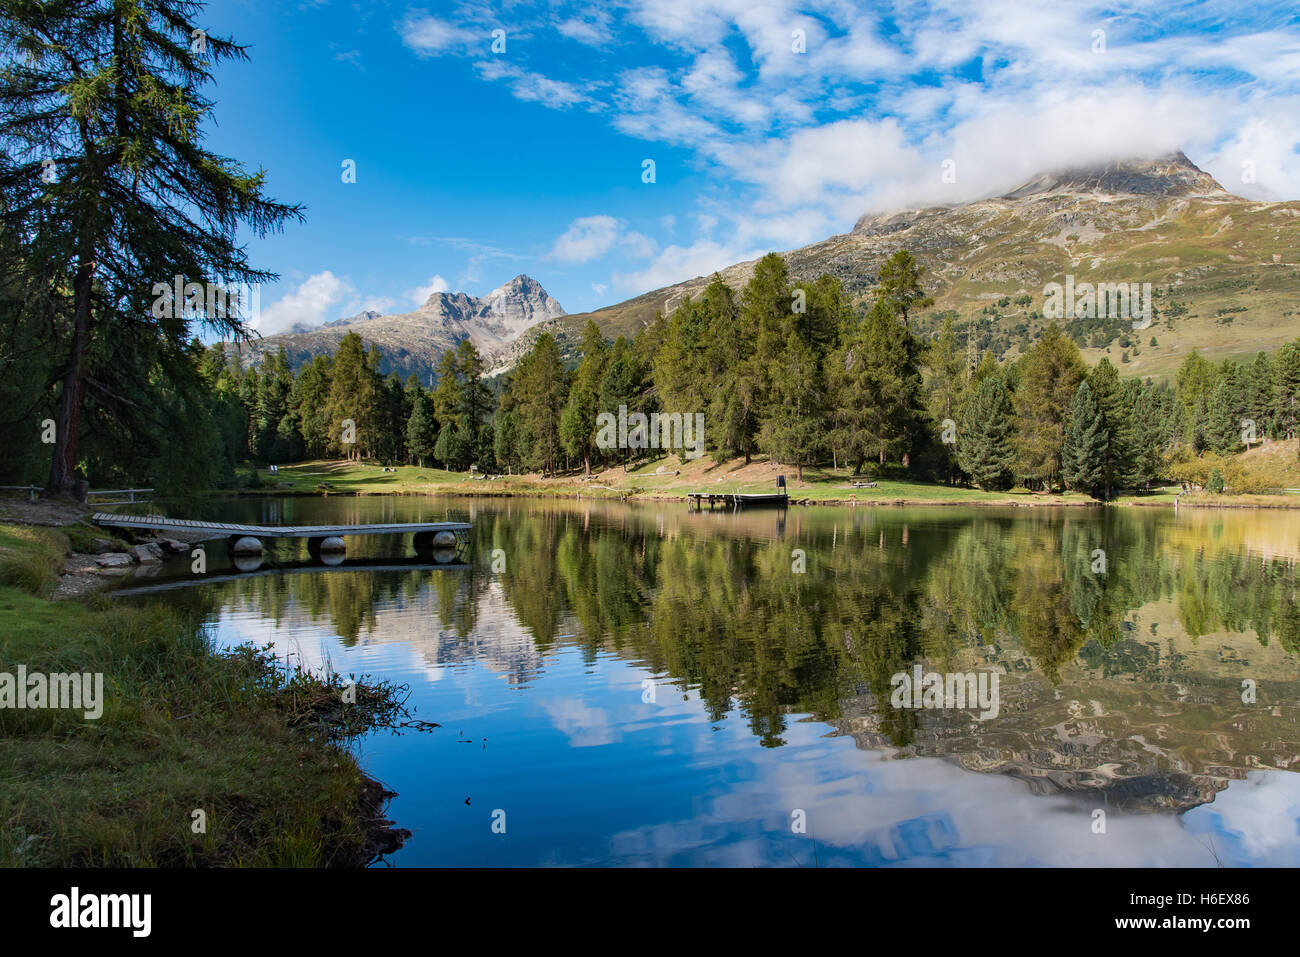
<point x="1225" y="271"/>
<point x="412" y="342"/>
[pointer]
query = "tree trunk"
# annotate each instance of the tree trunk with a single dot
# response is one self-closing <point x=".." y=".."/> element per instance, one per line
<point x="68" y="425"/>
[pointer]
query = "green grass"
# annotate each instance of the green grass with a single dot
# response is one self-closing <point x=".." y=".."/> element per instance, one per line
<point x="183" y="728"/>
<point x="30" y="558"/>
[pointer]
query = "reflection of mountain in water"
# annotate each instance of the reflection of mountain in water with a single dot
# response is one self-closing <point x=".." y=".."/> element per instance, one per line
<point x="1144" y="725"/>
<point x="1126" y="684"/>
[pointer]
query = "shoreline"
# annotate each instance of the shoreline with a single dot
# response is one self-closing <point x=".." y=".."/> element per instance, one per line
<point x="633" y="497"/>
<point x="270" y="765"/>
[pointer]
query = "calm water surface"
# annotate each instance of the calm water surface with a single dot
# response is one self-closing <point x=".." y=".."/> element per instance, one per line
<point x="638" y="685"/>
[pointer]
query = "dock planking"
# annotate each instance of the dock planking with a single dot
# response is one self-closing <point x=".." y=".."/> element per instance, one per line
<point x="222" y="529"/>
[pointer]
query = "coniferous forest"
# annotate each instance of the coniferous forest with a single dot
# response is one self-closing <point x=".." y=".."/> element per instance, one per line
<point x="784" y="371"/>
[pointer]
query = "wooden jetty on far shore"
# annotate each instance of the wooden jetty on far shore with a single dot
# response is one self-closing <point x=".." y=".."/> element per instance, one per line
<point x="777" y="499"/>
<point x="739" y="499"/>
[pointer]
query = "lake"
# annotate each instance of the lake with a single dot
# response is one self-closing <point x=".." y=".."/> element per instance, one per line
<point x="640" y="685"/>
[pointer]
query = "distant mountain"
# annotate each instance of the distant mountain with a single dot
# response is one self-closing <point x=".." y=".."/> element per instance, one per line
<point x="1225" y="270"/>
<point x="412" y="342"/>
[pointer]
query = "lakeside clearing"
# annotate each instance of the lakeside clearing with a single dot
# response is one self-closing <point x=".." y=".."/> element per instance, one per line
<point x="670" y="479"/>
<point x="199" y="758"/>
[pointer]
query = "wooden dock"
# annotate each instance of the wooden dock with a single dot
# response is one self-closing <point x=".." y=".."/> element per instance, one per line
<point x="247" y="538"/>
<point x="737" y="500"/>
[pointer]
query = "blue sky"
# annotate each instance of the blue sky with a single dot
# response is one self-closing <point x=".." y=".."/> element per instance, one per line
<point x="770" y="124"/>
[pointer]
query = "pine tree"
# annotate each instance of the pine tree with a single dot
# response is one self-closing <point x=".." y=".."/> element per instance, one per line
<point x="1112" y="401"/>
<point x="111" y="92"/>
<point x="900" y="285"/>
<point x="1286" y="409"/>
<point x="875" y="389"/>
<point x="540" y="390"/>
<point x="1049" y="378"/>
<point x="945" y="362"/>
<point x="421" y="430"/>
<point x="1084" y="452"/>
<point x="1262" y="390"/>
<point x="793" y="430"/>
<point x="622" y="385"/>
<point x="985" y="449"/>
<point x="578" y="423"/>
<point x="1223" y="429"/>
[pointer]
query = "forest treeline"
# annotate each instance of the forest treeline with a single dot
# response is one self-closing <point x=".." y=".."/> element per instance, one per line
<point x="786" y="371"/>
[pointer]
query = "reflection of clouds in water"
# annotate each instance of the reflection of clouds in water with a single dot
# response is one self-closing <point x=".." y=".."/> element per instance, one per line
<point x="582" y="724"/>
<point x="623" y="712"/>
<point x="1255" y="821"/>
<point x="301" y="642"/>
<point x="863" y="807"/>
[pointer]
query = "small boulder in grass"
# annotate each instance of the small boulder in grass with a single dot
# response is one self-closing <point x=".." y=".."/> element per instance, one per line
<point x="101" y="546"/>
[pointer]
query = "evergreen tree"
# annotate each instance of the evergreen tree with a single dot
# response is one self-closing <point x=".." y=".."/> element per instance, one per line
<point x="578" y="423"/>
<point x="1223" y="428"/>
<point x="506" y="444"/>
<point x="945" y="364"/>
<point x="622" y="385"/>
<point x="112" y="93"/>
<point x="900" y="285"/>
<point x="1084" y="452"/>
<point x="985" y="449"/>
<point x="1286" y="408"/>
<point x="1112" y="401"/>
<point x="1049" y="379"/>
<point x="1262" y="395"/>
<point x="540" y="391"/>
<point x="794" y="429"/>
<point x="875" y="388"/>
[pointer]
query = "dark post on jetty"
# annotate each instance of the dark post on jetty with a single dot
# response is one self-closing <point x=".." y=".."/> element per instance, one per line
<point x="778" y="499"/>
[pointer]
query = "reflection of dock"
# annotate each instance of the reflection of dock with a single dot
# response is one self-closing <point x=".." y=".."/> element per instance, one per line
<point x="368" y="565"/>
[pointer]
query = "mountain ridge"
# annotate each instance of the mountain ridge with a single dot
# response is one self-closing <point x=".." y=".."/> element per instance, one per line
<point x="412" y="342"/>
<point x="1214" y="259"/>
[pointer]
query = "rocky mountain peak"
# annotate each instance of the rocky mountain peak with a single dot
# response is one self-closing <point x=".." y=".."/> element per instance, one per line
<point x="1172" y="175"/>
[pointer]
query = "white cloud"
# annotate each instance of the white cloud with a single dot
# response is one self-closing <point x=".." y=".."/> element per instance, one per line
<point x="532" y="87"/>
<point x="420" y="294"/>
<point x="593" y="30"/>
<point x="591" y="237"/>
<point x="429" y="36"/>
<point x="309" y="305"/>
<point x="678" y="263"/>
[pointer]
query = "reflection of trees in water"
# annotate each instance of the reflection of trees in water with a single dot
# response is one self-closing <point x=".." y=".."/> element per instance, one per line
<point x="718" y="608"/>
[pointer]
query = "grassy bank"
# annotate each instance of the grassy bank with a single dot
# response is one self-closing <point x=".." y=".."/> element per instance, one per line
<point x="666" y="479"/>
<point x="259" y="751"/>
<point x="671" y="479"/>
